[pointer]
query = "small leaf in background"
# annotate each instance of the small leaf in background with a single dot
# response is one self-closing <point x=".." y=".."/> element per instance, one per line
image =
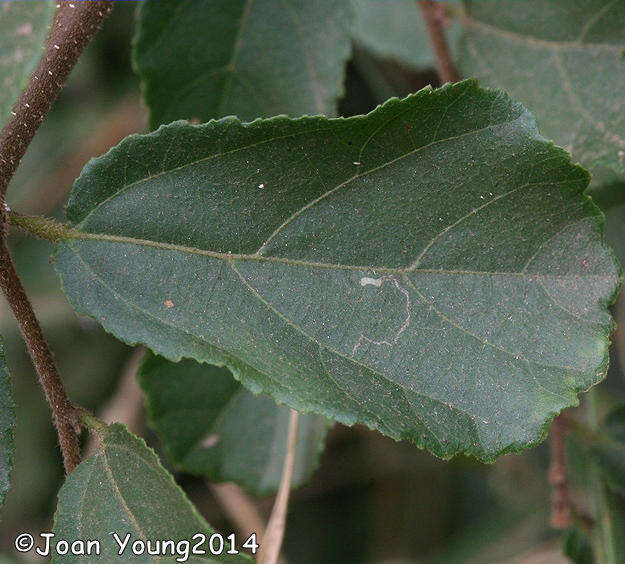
<point x="609" y="447"/>
<point x="210" y="425"/>
<point x="394" y="29"/>
<point x="123" y="488"/>
<point x="242" y="57"/>
<point x="7" y="426"/>
<point x="577" y="546"/>
<point x="564" y="60"/>
<point x="432" y="269"/>
<point x="608" y="192"/>
<point x="23" y="28"/>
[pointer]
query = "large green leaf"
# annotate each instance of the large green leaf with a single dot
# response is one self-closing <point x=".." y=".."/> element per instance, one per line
<point x="124" y="489"/>
<point x="394" y="29"/>
<point x="7" y="426"/>
<point x="211" y="426"/>
<point x="23" y="29"/>
<point x="432" y="269"/>
<point x="249" y="58"/>
<point x="564" y="60"/>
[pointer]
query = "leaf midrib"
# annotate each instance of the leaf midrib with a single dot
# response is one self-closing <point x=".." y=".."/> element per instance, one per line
<point x="74" y="234"/>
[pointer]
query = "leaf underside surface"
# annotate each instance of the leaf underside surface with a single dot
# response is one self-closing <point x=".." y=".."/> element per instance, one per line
<point x="432" y="269"/>
<point x="248" y="58"/>
<point x="564" y="60"/>
<point x="212" y="426"/>
<point x="123" y="488"/>
<point x="23" y="28"/>
<point x="7" y="427"/>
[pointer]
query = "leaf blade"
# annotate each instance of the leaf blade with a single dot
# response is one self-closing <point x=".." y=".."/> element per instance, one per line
<point x="23" y="29"/>
<point x="260" y="58"/>
<point x="565" y="72"/>
<point x="394" y="29"/>
<point x="211" y="426"/>
<point x="123" y="488"/>
<point x="7" y="427"/>
<point x="300" y="307"/>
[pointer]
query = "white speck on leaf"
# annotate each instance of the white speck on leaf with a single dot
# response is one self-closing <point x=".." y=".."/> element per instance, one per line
<point x="210" y="440"/>
<point x="366" y="281"/>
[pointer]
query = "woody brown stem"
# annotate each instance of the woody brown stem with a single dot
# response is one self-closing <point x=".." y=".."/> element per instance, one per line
<point x="75" y="24"/>
<point x="434" y="15"/>
<point x="65" y="415"/>
<point x="73" y="28"/>
<point x="560" y="503"/>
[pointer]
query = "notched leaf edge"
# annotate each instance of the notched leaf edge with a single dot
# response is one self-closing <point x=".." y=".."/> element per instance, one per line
<point x="238" y="367"/>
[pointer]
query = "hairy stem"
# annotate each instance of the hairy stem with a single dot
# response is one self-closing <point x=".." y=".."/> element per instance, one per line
<point x="75" y="24"/>
<point x="434" y="15"/>
<point x="65" y="415"/>
<point x="274" y="533"/>
<point x="560" y="503"/>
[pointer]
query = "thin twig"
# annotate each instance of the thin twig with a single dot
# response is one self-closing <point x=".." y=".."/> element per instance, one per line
<point x="560" y="502"/>
<point x="127" y="402"/>
<point x="73" y="27"/>
<point x="65" y="415"/>
<point x="434" y="16"/>
<point x="240" y="509"/>
<point x="269" y="552"/>
<point x="75" y="24"/>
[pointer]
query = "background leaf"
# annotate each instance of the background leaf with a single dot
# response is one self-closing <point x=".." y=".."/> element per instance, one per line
<point x="394" y="29"/>
<point x="23" y="29"/>
<point x="564" y="60"/>
<point x="608" y="445"/>
<point x="211" y="426"/>
<point x="358" y="268"/>
<point x="577" y="546"/>
<point x="123" y="488"/>
<point x="7" y="426"/>
<point x="250" y="58"/>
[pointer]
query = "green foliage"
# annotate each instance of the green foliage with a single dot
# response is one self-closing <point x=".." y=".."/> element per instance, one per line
<point x="23" y="28"/>
<point x="577" y="546"/>
<point x="394" y="29"/>
<point x="242" y="57"/>
<point x="609" y="527"/>
<point x="432" y="269"/>
<point x="609" y="447"/>
<point x="564" y="60"/>
<point x="290" y="251"/>
<point x="7" y="426"/>
<point x="123" y="488"/>
<point x="211" y="426"/>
